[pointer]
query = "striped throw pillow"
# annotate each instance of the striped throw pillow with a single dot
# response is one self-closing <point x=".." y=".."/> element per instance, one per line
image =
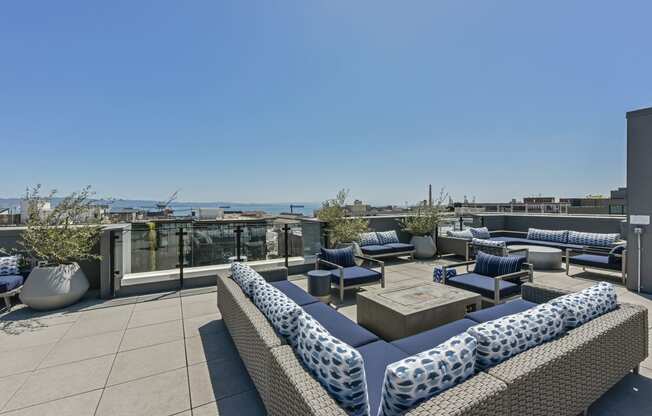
<point x="488" y="265"/>
<point x="592" y="239"/>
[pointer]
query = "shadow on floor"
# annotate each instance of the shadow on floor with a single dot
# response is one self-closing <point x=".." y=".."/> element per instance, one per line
<point x="232" y="388"/>
<point x="631" y="396"/>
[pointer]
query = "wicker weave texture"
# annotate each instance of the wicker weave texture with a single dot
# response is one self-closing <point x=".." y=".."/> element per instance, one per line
<point x="252" y="334"/>
<point x="564" y="376"/>
<point x="537" y="293"/>
<point x="296" y="392"/>
<point x="481" y="395"/>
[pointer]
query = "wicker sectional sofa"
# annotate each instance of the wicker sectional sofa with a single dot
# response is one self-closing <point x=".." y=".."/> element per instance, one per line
<point x="560" y="377"/>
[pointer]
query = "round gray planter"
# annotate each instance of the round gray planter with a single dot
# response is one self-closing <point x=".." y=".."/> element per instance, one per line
<point x="424" y="246"/>
<point x="54" y="287"/>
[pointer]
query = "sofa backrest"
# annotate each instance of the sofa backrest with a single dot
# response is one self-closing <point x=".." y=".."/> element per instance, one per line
<point x="592" y="239"/>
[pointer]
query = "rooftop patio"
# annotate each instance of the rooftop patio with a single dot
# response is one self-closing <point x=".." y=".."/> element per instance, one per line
<point x="170" y="354"/>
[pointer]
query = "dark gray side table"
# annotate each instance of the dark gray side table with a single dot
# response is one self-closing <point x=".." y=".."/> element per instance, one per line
<point x="319" y="284"/>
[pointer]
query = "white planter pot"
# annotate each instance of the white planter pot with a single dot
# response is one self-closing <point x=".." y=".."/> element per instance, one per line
<point x="424" y="247"/>
<point x="54" y="287"/>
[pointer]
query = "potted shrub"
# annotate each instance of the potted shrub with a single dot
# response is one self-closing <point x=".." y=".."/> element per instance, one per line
<point x="56" y="240"/>
<point x="342" y="229"/>
<point x="422" y="227"/>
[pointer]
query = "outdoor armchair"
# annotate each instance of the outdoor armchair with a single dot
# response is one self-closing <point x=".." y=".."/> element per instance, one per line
<point x="598" y="258"/>
<point x="345" y="274"/>
<point x="493" y="289"/>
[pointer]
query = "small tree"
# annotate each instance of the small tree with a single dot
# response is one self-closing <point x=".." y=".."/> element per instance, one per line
<point x="63" y="235"/>
<point x="340" y="227"/>
<point x="426" y="218"/>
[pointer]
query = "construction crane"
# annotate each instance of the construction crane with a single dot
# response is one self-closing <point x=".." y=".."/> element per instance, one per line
<point x="171" y="199"/>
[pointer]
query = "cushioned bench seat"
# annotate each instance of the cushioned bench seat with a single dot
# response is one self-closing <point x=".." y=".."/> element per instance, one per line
<point x="595" y="260"/>
<point x="294" y="292"/>
<point x="355" y="275"/>
<point x="498" y="311"/>
<point x="339" y="325"/>
<point x="429" y="339"/>
<point x="376" y="249"/>
<point x="484" y="285"/>
<point x="10" y="282"/>
<point x="377" y="356"/>
<point x="389" y="248"/>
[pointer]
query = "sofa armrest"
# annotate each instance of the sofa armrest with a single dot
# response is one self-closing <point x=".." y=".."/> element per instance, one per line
<point x="480" y="395"/>
<point x="371" y="260"/>
<point x="537" y="293"/>
<point x="319" y="261"/>
<point x="296" y="392"/>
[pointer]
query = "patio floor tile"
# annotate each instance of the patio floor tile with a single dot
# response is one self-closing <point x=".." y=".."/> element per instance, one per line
<point x="23" y="360"/>
<point x="79" y="405"/>
<point x="99" y="323"/>
<point x="217" y="379"/>
<point x="155" y="316"/>
<point x="144" y="362"/>
<point x="161" y="395"/>
<point x="9" y="386"/>
<point x="78" y="349"/>
<point x="61" y="381"/>
<point x="151" y="335"/>
<point x="193" y="309"/>
<point x="198" y="325"/>
<point x="209" y="347"/>
<point x="26" y="336"/>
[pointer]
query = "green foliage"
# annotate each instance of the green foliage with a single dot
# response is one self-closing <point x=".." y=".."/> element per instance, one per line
<point x="426" y="218"/>
<point x="63" y="235"/>
<point x="340" y="227"/>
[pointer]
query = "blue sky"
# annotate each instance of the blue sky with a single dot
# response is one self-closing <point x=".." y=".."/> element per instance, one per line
<point x="292" y="100"/>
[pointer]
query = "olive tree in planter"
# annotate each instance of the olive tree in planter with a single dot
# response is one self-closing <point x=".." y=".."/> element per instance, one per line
<point x="57" y="239"/>
<point x="342" y="230"/>
<point x="422" y="226"/>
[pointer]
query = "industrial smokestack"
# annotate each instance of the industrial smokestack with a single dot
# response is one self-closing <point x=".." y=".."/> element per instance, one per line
<point x="430" y="195"/>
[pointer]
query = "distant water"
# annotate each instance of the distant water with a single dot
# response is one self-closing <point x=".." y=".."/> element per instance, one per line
<point x="185" y="208"/>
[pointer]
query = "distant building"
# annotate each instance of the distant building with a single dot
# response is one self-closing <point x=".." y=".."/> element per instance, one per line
<point x="616" y="203"/>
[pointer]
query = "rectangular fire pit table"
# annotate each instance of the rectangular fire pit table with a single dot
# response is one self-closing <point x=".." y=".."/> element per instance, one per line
<point x="410" y="309"/>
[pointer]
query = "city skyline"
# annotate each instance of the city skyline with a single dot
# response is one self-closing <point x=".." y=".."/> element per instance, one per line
<point x="235" y="102"/>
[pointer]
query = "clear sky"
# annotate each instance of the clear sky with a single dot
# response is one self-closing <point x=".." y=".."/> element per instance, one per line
<point x="276" y="101"/>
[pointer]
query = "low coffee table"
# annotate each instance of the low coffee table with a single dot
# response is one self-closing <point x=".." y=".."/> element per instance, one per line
<point x="540" y="257"/>
<point x="410" y="309"/>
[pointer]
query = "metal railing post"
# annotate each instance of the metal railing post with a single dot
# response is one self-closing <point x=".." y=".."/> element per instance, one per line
<point x="181" y="234"/>
<point x="238" y="232"/>
<point x="286" y="230"/>
<point x="461" y="223"/>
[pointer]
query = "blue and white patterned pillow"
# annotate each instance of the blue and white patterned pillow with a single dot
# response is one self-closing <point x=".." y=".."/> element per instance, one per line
<point x="465" y="234"/>
<point x="505" y="337"/>
<point x="387" y="237"/>
<point x="281" y="311"/>
<point x="587" y="304"/>
<point x="490" y="265"/>
<point x="336" y="365"/>
<point x="369" y="239"/>
<point x="9" y="266"/>
<point x="481" y="232"/>
<point x="557" y="236"/>
<point x="592" y="239"/>
<point x="545" y="322"/>
<point x="245" y="276"/>
<point x="415" y="379"/>
<point x="438" y="273"/>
